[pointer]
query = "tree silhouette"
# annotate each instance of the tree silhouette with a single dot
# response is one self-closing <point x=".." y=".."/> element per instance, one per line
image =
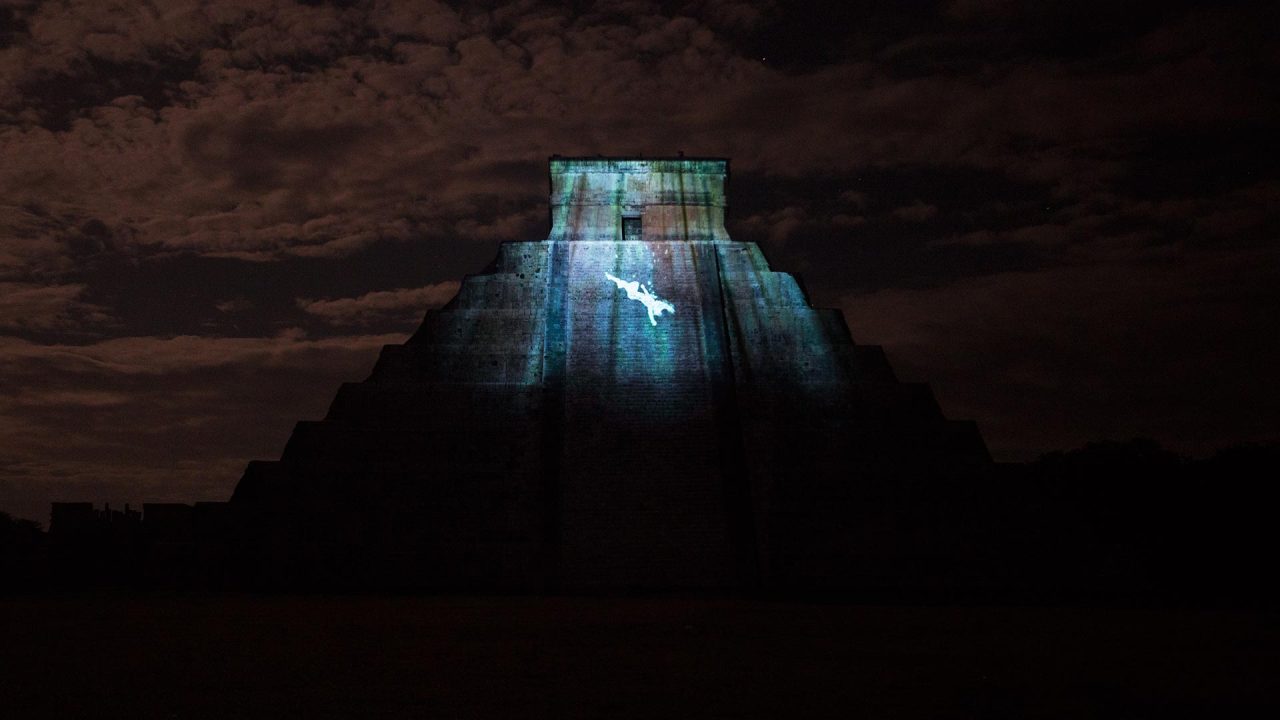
<point x="22" y="553"/>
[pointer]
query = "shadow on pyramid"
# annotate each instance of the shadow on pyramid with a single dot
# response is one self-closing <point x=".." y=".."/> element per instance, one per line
<point x="637" y="402"/>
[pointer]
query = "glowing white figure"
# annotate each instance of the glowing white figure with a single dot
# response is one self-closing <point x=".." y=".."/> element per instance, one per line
<point x="636" y="291"/>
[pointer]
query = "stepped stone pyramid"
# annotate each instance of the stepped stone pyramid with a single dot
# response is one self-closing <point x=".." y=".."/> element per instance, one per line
<point x="637" y="401"/>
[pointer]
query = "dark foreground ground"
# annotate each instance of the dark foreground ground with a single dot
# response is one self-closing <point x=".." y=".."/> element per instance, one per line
<point x="155" y="656"/>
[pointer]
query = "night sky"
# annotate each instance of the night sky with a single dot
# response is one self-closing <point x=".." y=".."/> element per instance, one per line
<point x="1062" y="214"/>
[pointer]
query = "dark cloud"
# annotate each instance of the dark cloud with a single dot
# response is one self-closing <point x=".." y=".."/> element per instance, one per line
<point x="28" y="307"/>
<point x="916" y="212"/>
<point x="992" y="189"/>
<point x="395" y="306"/>
<point x="1178" y="348"/>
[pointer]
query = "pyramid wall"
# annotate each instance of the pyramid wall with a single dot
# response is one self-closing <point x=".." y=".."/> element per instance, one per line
<point x="542" y="431"/>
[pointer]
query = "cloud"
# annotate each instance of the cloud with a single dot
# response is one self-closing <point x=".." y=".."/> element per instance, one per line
<point x="234" y="305"/>
<point x="916" y="212"/>
<point x="76" y="398"/>
<point x="381" y="306"/>
<point x="186" y="353"/>
<point x="514" y="226"/>
<point x="855" y="198"/>
<point x="26" y="307"/>
<point x="49" y="241"/>
<point x="1046" y="235"/>
<point x="778" y="226"/>
<point x="319" y="131"/>
<point x="970" y="8"/>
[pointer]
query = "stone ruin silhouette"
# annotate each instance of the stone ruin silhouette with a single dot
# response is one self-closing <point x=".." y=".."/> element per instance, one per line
<point x="548" y="431"/>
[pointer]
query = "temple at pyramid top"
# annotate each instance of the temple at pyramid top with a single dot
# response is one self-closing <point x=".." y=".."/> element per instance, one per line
<point x="649" y="199"/>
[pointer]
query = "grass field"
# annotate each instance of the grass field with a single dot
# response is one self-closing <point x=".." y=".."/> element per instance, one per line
<point x="154" y="656"/>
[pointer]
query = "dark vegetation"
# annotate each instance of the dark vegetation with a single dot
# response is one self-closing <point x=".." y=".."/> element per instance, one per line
<point x="1108" y="522"/>
<point x="1132" y="520"/>
<point x="23" y="553"/>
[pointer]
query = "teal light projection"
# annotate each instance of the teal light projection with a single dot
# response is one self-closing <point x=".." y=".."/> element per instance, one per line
<point x="540" y="432"/>
<point x="658" y="200"/>
<point x="561" y="310"/>
<point x="637" y="291"/>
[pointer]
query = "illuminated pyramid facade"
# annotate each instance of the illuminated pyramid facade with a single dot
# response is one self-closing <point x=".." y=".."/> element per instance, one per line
<point x="637" y="401"/>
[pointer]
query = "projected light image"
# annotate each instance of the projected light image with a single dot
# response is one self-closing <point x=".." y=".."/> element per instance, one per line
<point x="652" y="303"/>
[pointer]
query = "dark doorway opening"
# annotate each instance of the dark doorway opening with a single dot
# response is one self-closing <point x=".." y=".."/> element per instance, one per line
<point x="630" y="228"/>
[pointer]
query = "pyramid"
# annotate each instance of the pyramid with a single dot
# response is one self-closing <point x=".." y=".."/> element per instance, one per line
<point x="636" y="402"/>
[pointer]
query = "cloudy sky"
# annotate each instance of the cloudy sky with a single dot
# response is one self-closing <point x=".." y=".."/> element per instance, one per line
<point x="1063" y="214"/>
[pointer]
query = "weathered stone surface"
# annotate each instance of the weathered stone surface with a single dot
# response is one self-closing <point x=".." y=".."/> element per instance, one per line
<point x="544" y="430"/>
